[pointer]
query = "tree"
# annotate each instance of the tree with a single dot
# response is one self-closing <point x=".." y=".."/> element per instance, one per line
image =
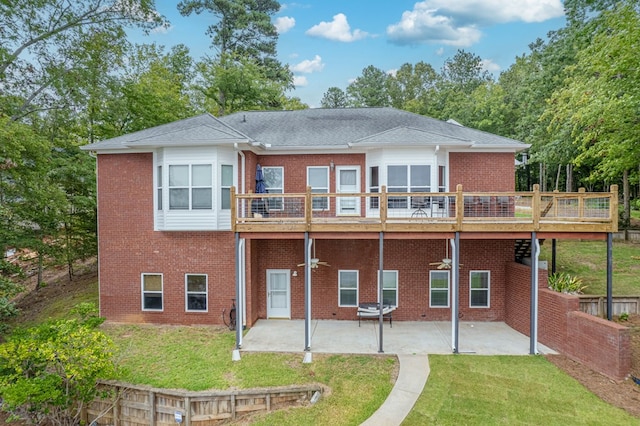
<point x="49" y="372"/>
<point x="334" y="97"/>
<point x="370" y="89"/>
<point x="245" y="39"/>
<point x="413" y="87"/>
<point x="39" y="41"/>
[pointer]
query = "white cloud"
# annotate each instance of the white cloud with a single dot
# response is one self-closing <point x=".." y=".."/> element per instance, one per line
<point x="489" y="65"/>
<point x="162" y="29"/>
<point x="337" y="30"/>
<point x="458" y="23"/>
<point x="393" y="72"/>
<point x="284" y="24"/>
<point x="309" y="66"/>
<point x="300" y="81"/>
<point x="440" y="51"/>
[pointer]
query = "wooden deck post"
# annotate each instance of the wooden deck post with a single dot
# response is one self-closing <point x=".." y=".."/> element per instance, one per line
<point x="308" y="207"/>
<point x="234" y="218"/>
<point x="459" y="207"/>
<point x="613" y="208"/>
<point x="383" y="208"/>
<point x="535" y="207"/>
<point x="581" y="192"/>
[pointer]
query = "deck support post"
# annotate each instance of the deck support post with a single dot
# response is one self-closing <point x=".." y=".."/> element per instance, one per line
<point x="380" y="288"/>
<point x="609" y="276"/>
<point x="554" y="247"/>
<point x="236" y="353"/>
<point x="455" y="307"/>
<point x="307" y="291"/>
<point x="533" y="326"/>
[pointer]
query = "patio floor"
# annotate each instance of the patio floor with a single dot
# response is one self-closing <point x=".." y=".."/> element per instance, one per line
<point x="405" y="337"/>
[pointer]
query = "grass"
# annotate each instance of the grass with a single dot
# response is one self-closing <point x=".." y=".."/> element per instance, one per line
<point x="588" y="260"/>
<point x="506" y="390"/>
<point x="199" y="358"/>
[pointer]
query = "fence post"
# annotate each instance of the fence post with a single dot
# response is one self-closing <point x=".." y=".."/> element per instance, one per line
<point x="234" y="210"/>
<point x="535" y="206"/>
<point x="187" y="411"/>
<point x="459" y="207"/>
<point x="383" y="207"/>
<point x="116" y="408"/>
<point x="581" y="192"/>
<point x="308" y="207"/>
<point x="152" y="407"/>
<point x="613" y="209"/>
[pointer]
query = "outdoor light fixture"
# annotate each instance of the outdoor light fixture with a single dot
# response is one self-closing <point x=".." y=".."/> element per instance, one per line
<point x="332" y="165"/>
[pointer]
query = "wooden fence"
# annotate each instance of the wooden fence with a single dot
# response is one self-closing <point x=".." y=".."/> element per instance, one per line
<point x="597" y="305"/>
<point x="129" y="405"/>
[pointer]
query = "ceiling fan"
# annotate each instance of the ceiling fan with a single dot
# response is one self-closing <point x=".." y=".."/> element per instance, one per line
<point x="315" y="262"/>
<point x="445" y="263"/>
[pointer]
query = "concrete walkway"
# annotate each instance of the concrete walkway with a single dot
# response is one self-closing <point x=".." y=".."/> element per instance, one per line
<point x="414" y="371"/>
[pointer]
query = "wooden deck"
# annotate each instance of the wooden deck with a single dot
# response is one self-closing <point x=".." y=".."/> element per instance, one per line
<point x="442" y="212"/>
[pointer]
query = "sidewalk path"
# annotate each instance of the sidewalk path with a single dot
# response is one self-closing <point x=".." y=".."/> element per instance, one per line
<point x="414" y="371"/>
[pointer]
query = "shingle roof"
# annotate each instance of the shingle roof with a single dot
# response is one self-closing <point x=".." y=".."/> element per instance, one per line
<point x="311" y="128"/>
<point x="200" y="130"/>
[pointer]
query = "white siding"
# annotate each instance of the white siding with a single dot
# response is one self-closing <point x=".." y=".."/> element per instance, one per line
<point x="193" y="220"/>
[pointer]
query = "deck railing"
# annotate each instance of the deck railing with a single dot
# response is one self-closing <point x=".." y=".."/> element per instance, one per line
<point x="426" y="211"/>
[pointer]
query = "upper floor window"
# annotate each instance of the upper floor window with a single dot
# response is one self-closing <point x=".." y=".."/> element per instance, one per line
<point x="226" y="181"/>
<point x="318" y="180"/>
<point x="374" y="186"/>
<point x="414" y="178"/>
<point x="159" y="190"/>
<point x="190" y="187"/>
<point x="442" y="179"/>
<point x="274" y="183"/>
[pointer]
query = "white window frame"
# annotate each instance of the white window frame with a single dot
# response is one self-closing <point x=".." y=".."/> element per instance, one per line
<point x="274" y="204"/>
<point x="488" y="289"/>
<point x="341" y="289"/>
<point x="189" y="187"/>
<point x="432" y="289"/>
<point x="143" y="291"/>
<point x="319" y="189"/>
<point x="225" y="189"/>
<point x="374" y="187"/>
<point x="188" y="293"/>
<point x="408" y="187"/>
<point x="159" y="178"/>
<point x="396" y="289"/>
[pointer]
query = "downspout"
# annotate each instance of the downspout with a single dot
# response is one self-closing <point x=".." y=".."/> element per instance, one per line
<point x="533" y="328"/>
<point x="609" y="276"/>
<point x="307" y="292"/>
<point x="236" y="352"/>
<point x="380" y="292"/>
<point x="455" y="308"/>
<point x="242" y="303"/>
<point x="242" y="177"/>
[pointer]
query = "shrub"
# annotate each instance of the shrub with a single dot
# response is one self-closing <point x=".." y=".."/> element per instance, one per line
<point x="565" y="283"/>
<point x="48" y="372"/>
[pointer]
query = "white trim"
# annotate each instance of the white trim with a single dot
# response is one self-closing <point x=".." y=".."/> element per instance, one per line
<point x="488" y="289"/>
<point x="328" y="187"/>
<point x="358" y="189"/>
<point x="395" y="271"/>
<point x="187" y="293"/>
<point x="288" y="289"/>
<point x="357" y="289"/>
<point x="431" y="305"/>
<point x="142" y="291"/>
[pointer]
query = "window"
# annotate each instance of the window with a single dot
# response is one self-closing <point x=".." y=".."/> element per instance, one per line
<point x="151" y="292"/>
<point x="274" y="183"/>
<point x="414" y="178"/>
<point x="159" y="180"/>
<point x="347" y="288"/>
<point x="226" y="181"/>
<point x="374" y="186"/>
<point x="442" y="179"/>
<point x="318" y="180"/>
<point x="439" y="289"/>
<point x="196" y="292"/>
<point x="479" y="289"/>
<point x="190" y="187"/>
<point x="390" y="288"/>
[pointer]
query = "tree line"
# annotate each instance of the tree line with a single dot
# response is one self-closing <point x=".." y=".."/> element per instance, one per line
<point x="69" y="76"/>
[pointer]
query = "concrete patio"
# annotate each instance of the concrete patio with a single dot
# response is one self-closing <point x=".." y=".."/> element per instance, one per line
<point x="405" y="337"/>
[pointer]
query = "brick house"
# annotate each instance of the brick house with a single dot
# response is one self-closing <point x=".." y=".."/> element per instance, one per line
<point x="349" y="193"/>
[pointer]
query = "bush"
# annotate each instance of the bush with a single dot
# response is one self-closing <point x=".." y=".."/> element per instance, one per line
<point x="565" y="283"/>
<point x="48" y="372"/>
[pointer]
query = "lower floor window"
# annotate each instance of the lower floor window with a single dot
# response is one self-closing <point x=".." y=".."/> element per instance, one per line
<point x="479" y="283"/>
<point x="347" y="288"/>
<point x="196" y="292"/>
<point x="390" y="288"/>
<point x="439" y="289"/>
<point x="152" y="292"/>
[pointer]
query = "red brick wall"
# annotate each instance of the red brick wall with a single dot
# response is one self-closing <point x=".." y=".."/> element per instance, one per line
<point x="595" y="342"/>
<point x="410" y="258"/>
<point x="482" y="171"/>
<point x="128" y="246"/>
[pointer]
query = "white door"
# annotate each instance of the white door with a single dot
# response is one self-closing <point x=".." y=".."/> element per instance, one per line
<point x="348" y="182"/>
<point x="278" y="293"/>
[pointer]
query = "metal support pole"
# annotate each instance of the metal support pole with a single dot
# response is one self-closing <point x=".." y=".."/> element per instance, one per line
<point x="307" y="292"/>
<point x="380" y="287"/>
<point x="533" y="315"/>
<point x="238" y="272"/>
<point x="455" y="311"/>
<point x="553" y="255"/>
<point x="609" y="276"/>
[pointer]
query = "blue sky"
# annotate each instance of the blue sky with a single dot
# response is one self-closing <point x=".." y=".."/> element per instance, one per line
<point x="329" y="42"/>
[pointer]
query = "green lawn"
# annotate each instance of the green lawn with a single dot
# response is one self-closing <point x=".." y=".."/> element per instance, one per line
<point x="588" y="260"/>
<point x="507" y="390"/>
